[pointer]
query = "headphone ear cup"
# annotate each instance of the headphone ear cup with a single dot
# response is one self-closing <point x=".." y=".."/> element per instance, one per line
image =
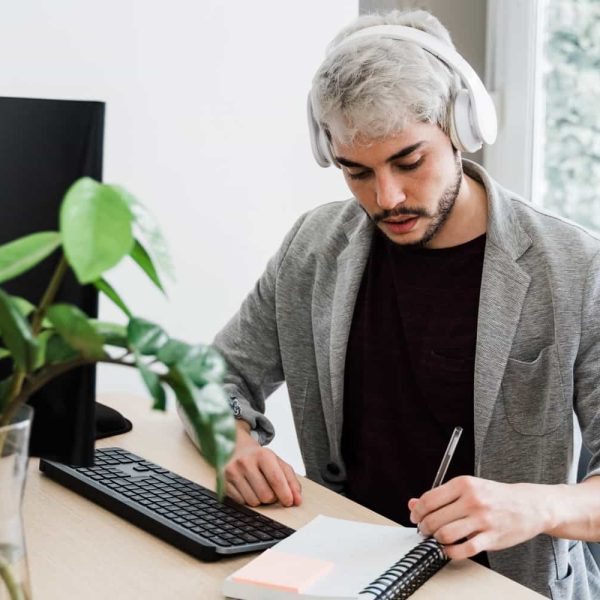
<point x="318" y="139"/>
<point x="325" y="148"/>
<point x="463" y="135"/>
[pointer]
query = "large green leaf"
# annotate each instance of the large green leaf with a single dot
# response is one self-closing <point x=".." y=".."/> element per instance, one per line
<point x="111" y="333"/>
<point x="153" y="383"/>
<point x="173" y="352"/>
<point x="20" y="255"/>
<point x="75" y="328"/>
<point x="26" y="308"/>
<point x="142" y="258"/>
<point x="146" y="337"/>
<point x="210" y="416"/>
<point x="96" y="228"/>
<point x="208" y="367"/>
<point x="110" y="292"/>
<point x="17" y="334"/>
<point x="42" y="339"/>
<point x="23" y="305"/>
<point x="148" y="232"/>
<point x="201" y="363"/>
<point x="54" y="349"/>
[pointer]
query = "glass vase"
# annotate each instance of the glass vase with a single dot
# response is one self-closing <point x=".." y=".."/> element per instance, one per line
<point x="14" y="446"/>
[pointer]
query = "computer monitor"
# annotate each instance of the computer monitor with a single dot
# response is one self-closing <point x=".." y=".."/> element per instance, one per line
<point x="45" y="145"/>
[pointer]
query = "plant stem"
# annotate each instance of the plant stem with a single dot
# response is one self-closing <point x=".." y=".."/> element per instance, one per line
<point x="14" y="399"/>
<point x="12" y="405"/>
<point x="45" y="375"/>
<point x="49" y="295"/>
<point x="14" y="588"/>
<point x="49" y="373"/>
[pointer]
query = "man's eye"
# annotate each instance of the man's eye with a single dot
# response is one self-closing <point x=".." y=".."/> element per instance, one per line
<point x="411" y="166"/>
<point x="361" y="175"/>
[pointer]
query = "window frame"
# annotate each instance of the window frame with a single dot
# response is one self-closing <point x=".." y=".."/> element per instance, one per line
<point x="514" y="36"/>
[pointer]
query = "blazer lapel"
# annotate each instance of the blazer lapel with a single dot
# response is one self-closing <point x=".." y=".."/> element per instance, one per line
<point x="504" y="285"/>
<point x="503" y="288"/>
<point x="350" y="267"/>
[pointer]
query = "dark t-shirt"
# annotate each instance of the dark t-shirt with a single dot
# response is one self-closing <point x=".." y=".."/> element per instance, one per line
<point x="409" y="371"/>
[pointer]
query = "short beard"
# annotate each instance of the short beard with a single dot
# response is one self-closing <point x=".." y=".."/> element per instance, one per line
<point x="444" y="208"/>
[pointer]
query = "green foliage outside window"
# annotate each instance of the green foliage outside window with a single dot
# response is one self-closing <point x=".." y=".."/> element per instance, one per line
<point x="572" y="128"/>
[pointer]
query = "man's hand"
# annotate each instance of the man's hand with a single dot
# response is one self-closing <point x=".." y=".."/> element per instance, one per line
<point x="468" y="515"/>
<point x="256" y="475"/>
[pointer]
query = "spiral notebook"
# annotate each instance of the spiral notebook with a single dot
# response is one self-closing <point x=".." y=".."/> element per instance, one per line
<point x="335" y="559"/>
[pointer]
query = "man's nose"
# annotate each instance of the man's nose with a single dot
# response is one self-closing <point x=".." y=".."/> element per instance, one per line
<point x="389" y="192"/>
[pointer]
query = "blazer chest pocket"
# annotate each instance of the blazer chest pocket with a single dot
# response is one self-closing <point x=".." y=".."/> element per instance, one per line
<point x="532" y="394"/>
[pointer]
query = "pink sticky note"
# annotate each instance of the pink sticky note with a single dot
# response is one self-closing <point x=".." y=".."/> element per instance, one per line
<point x="281" y="571"/>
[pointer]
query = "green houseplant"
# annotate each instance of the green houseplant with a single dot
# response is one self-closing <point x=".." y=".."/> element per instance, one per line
<point x="99" y="225"/>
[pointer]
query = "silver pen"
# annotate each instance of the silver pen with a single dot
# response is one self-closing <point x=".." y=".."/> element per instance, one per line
<point x="443" y="468"/>
<point x="441" y="473"/>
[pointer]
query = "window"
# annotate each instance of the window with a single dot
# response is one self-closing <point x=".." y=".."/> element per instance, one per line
<point x="543" y="70"/>
<point x="571" y="86"/>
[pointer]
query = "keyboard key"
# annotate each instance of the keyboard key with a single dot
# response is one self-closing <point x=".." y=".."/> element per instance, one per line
<point x="279" y="535"/>
<point x="237" y="541"/>
<point x="220" y="541"/>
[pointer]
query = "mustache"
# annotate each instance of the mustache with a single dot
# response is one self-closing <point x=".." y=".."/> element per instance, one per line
<point x="398" y="211"/>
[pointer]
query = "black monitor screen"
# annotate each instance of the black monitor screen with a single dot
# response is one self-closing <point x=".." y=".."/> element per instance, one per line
<point x="45" y="145"/>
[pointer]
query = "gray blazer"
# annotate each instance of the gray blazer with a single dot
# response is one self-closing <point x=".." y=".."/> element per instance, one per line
<point x="537" y="362"/>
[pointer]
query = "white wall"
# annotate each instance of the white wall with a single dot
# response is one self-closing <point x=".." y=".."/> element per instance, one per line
<point x="205" y="124"/>
<point x="464" y="19"/>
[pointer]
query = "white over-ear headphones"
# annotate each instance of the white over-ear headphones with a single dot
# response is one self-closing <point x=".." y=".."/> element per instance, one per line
<point x="472" y="113"/>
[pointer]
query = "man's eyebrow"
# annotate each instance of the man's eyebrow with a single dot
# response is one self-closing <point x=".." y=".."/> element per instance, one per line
<point x="402" y="153"/>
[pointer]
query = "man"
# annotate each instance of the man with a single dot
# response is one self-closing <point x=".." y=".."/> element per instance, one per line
<point x="433" y="298"/>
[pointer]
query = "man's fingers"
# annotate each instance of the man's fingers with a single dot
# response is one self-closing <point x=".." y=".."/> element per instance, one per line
<point x="293" y="482"/>
<point x="476" y="544"/>
<point x="244" y="491"/>
<point x="271" y="468"/>
<point x="261" y="477"/>
<point x="259" y="484"/>
<point x="456" y="531"/>
<point x="437" y="519"/>
<point x="440" y="496"/>
<point x="231" y="492"/>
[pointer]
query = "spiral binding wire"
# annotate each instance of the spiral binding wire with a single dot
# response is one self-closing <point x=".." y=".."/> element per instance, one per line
<point x="407" y="575"/>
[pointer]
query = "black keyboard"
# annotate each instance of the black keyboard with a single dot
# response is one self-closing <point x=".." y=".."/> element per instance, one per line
<point x="175" y="509"/>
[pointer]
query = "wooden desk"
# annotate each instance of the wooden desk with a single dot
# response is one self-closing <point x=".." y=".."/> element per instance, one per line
<point x="78" y="550"/>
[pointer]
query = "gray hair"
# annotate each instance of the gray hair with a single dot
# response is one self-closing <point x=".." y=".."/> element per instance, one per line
<point x="376" y="86"/>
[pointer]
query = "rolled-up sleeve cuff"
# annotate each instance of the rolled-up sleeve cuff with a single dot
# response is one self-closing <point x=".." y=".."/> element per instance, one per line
<point x="261" y="428"/>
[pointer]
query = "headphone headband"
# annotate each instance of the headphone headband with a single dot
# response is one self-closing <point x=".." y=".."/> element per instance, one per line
<point x="472" y="118"/>
<point x="485" y="123"/>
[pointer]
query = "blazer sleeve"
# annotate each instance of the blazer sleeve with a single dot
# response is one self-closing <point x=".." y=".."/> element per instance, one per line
<point x="249" y="343"/>
<point x="587" y="367"/>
